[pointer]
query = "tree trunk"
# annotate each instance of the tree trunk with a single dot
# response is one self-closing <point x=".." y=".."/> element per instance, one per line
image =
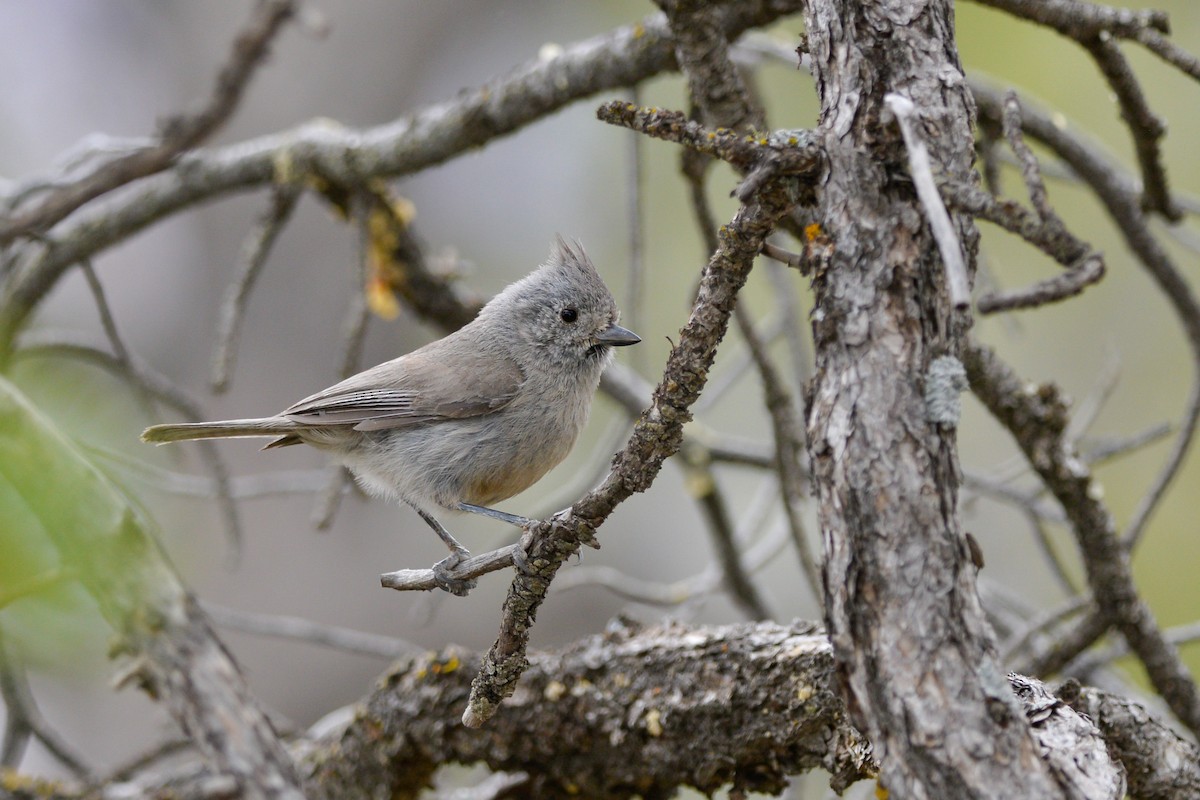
<point x="913" y="650"/>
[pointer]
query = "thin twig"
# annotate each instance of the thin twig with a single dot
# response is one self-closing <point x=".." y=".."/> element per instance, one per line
<point x="23" y="720"/>
<point x="704" y="488"/>
<point x="636" y="272"/>
<point x="1064" y="647"/>
<point x="1042" y="228"/>
<point x="299" y="629"/>
<point x="354" y="336"/>
<point x="253" y="258"/>
<point x="1083" y="20"/>
<point x="785" y="429"/>
<point x="957" y="283"/>
<point x="1168" y="51"/>
<point x="788" y="153"/>
<point x="409" y="580"/>
<point x="1106" y="450"/>
<point x="675" y="593"/>
<point x="1145" y="127"/>
<point x="1041" y="537"/>
<point x="1087" y="663"/>
<point x="109" y="323"/>
<point x="1040" y="625"/>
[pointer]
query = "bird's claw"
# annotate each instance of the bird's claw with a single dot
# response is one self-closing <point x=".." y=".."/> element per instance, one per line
<point x="521" y="559"/>
<point x="443" y="574"/>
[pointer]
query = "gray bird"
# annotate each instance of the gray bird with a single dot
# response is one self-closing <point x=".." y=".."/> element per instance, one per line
<point x="470" y="419"/>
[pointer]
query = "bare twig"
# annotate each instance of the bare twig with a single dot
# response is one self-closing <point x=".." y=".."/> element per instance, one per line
<point x="636" y="273"/>
<point x="1083" y="20"/>
<point x="304" y="630"/>
<point x="1059" y="651"/>
<point x="1050" y="290"/>
<point x="1105" y="450"/>
<point x="789" y="444"/>
<point x="23" y="720"/>
<point x="788" y="153"/>
<point x="354" y="336"/>
<point x="1146" y="129"/>
<point x="254" y="256"/>
<point x="1168" y="51"/>
<point x="178" y="133"/>
<point x="704" y="488"/>
<point x="1040" y="625"/>
<point x="687" y="590"/>
<point x="408" y="580"/>
<point x="957" y="284"/>
<point x="1094" y="27"/>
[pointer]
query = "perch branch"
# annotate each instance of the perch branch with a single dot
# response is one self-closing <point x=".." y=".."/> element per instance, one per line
<point x="656" y="436"/>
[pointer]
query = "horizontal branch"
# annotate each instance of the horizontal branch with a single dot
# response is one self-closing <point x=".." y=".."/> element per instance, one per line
<point x="780" y="153"/>
<point x="644" y="710"/>
<point x="407" y="580"/>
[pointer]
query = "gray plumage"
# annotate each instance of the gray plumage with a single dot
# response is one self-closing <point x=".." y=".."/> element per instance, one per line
<point x="475" y="417"/>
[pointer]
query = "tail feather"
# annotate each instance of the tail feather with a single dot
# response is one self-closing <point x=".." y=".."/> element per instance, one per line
<point x="223" y="429"/>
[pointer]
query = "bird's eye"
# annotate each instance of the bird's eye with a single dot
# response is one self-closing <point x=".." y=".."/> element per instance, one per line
<point x="569" y="314"/>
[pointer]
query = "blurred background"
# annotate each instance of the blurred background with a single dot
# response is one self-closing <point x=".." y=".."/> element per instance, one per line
<point x="78" y="67"/>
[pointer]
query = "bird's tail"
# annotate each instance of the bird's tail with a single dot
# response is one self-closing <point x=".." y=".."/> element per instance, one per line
<point x="224" y="429"/>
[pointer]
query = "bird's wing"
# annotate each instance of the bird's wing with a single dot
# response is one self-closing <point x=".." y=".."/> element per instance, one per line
<point x="425" y="385"/>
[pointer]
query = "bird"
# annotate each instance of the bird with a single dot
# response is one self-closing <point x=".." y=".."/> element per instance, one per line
<point x="470" y="419"/>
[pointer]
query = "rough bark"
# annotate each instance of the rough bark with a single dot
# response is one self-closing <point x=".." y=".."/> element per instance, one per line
<point x="912" y="646"/>
<point x="633" y="712"/>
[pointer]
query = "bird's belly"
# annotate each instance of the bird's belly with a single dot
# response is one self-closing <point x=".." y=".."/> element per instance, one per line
<point x="493" y="486"/>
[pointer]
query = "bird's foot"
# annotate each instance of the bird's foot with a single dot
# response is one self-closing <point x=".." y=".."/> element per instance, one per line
<point x="443" y="573"/>
<point x="520" y="557"/>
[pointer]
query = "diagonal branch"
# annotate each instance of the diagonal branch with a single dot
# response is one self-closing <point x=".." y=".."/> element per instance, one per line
<point x="656" y="436"/>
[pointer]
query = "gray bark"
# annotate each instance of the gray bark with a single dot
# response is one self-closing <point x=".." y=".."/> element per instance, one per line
<point x="912" y="647"/>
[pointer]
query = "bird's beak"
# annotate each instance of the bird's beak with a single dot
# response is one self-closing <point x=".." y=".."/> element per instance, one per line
<point x="617" y="336"/>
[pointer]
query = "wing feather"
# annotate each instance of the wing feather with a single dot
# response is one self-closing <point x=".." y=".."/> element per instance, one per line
<point x="437" y="382"/>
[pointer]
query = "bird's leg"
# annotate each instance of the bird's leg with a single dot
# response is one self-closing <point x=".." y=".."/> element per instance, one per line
<point x="503" y="516"/>
<point x="443" y="570"/>
<point x="520" y="557"/>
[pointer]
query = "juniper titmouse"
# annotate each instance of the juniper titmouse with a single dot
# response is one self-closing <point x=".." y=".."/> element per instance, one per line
<point x="468" y="420"/>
